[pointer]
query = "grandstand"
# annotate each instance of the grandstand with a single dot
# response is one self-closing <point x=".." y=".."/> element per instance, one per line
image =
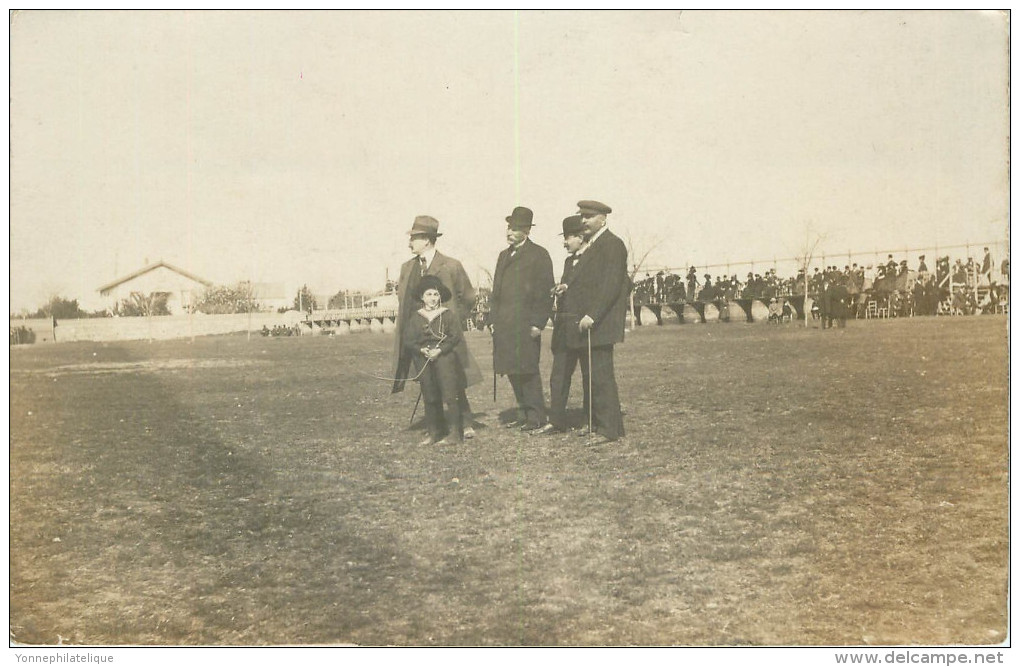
<point x="877" y="288"/>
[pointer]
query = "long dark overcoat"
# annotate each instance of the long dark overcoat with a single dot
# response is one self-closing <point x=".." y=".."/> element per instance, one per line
<point x="521" y="299"/>
<point x="598" y="288"/>
<point x="452" y="274"/>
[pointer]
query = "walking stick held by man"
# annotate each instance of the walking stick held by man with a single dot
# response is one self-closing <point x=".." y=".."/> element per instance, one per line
<point x="590" y="401"/>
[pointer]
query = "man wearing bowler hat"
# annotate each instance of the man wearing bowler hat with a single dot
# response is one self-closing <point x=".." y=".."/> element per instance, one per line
<point x="427" y="261"/>
<point x="565" y="360"/>
<point x="519" y="309"/>
<point x="598" y="296"/>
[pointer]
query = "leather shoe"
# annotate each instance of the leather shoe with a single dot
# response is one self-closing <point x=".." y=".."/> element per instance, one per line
<point x="548" y="429"/>
<point x="531" y="427"/>
<point x="468" y="433"/>
<point x="513" y="424"/>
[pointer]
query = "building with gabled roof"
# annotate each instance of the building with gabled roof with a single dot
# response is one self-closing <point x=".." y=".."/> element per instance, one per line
<point x="181" y="287"/>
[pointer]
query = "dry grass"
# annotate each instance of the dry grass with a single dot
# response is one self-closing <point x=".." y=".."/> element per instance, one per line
<point x="777" y="486"/>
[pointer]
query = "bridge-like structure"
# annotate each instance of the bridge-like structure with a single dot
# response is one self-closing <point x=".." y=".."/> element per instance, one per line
<point x="720" y="310"/>
<point x="351" y="320"/>
<point x="383" y="320"/>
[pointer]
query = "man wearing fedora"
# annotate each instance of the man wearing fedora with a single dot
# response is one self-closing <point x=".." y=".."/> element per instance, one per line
<point x="427" y="261"/>
<point x="519" y="309"/>
<point x="597" y="296"/>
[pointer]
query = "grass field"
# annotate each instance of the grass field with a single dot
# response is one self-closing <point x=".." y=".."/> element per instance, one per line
<point x="777" y="486"/>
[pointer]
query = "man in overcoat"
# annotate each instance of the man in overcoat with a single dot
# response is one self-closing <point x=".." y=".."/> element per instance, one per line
<point x="598" y="293"/>
<point x="427" y="261"/>
<point x="519" y="309"/>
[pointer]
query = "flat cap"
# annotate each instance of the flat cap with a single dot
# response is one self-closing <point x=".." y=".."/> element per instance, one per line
<point x="591" y="206"/>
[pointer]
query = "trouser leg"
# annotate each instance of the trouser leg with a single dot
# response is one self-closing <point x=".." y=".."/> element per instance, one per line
<point x="465" y="407"/>
<point x="434" y="418"/>
<point x="564" y="362"/>
<point x="605" y="395"/>
<point x="584" y="362"/>
<point x="530" y="399"/>
<point x="454" y="421"/>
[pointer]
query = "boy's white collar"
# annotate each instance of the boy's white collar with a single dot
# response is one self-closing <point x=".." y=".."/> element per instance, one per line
<point x="432" y="314"/>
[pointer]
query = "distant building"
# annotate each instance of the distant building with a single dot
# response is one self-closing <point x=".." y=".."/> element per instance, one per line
<point x="182" y="288"/>
<point x="382" y="301"/>
<point x="272" y="296"/>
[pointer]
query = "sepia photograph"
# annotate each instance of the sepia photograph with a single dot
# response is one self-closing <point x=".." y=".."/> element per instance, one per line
<point x="504" y="329"/>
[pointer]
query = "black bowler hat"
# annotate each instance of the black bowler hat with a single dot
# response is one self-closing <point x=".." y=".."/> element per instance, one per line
<point x="521" y="218"/>
<point x="592" y="207"/>
<point x="432" y="282"/>
<point x="572" y="226"/>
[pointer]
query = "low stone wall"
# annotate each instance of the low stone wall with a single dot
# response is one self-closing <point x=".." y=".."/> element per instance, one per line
<point x="156" y="328"/>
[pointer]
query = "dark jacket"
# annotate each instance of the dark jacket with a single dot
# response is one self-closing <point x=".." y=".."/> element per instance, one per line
<point x="452" y="274"/>
<point x="520" y="299"/>
<point x="599" y="289"/>
<point x="562" y="316"/>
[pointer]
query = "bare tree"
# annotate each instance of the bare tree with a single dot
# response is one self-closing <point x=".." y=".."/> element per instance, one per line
<point x="812" y="239"/>
<point x="637" y="262"/>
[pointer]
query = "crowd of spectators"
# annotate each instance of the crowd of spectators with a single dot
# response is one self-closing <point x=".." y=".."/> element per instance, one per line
<point x="22" y="335"/>
<point x="961" y="287"/>
<point x="280" y="331"/>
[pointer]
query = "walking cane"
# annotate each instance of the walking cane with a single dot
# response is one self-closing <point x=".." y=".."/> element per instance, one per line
<point x="591" y="397"/>
<point x="415" y="411"/>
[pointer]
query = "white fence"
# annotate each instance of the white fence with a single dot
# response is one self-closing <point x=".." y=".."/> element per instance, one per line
<point x="156" y="328"/>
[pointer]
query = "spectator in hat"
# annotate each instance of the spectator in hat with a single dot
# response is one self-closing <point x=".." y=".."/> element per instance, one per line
<point x="565" y="359"/>
<point x="986" y="268"/>
<point x="838" y="302"/>
<point x="692" y="283"/>
<point x="431" y="336"/>
<point x="519" y="307"/>
<point x="599" y="288"/>
<point x="428" y="261"/>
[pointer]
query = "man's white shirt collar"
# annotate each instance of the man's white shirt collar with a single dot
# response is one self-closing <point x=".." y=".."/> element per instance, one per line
<point x="429" y="255"/>
<point x="596" y="235"/>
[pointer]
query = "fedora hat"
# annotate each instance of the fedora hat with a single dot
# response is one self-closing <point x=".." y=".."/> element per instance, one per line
<point x="425" y="224"/>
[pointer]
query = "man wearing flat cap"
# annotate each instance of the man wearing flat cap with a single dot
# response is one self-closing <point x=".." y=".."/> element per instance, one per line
<point x="427" y="261"/>
<point x="519" y="308"/>
<point x="598" y="292"/>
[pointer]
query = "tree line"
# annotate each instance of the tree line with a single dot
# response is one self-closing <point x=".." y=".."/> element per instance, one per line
<point x="216" y="300"/>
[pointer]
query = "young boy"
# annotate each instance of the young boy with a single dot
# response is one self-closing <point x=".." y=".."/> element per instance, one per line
<point x="431" y="334"/>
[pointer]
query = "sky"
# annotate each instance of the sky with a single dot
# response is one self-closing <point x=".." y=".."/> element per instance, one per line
<point x="297" y="147"/>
